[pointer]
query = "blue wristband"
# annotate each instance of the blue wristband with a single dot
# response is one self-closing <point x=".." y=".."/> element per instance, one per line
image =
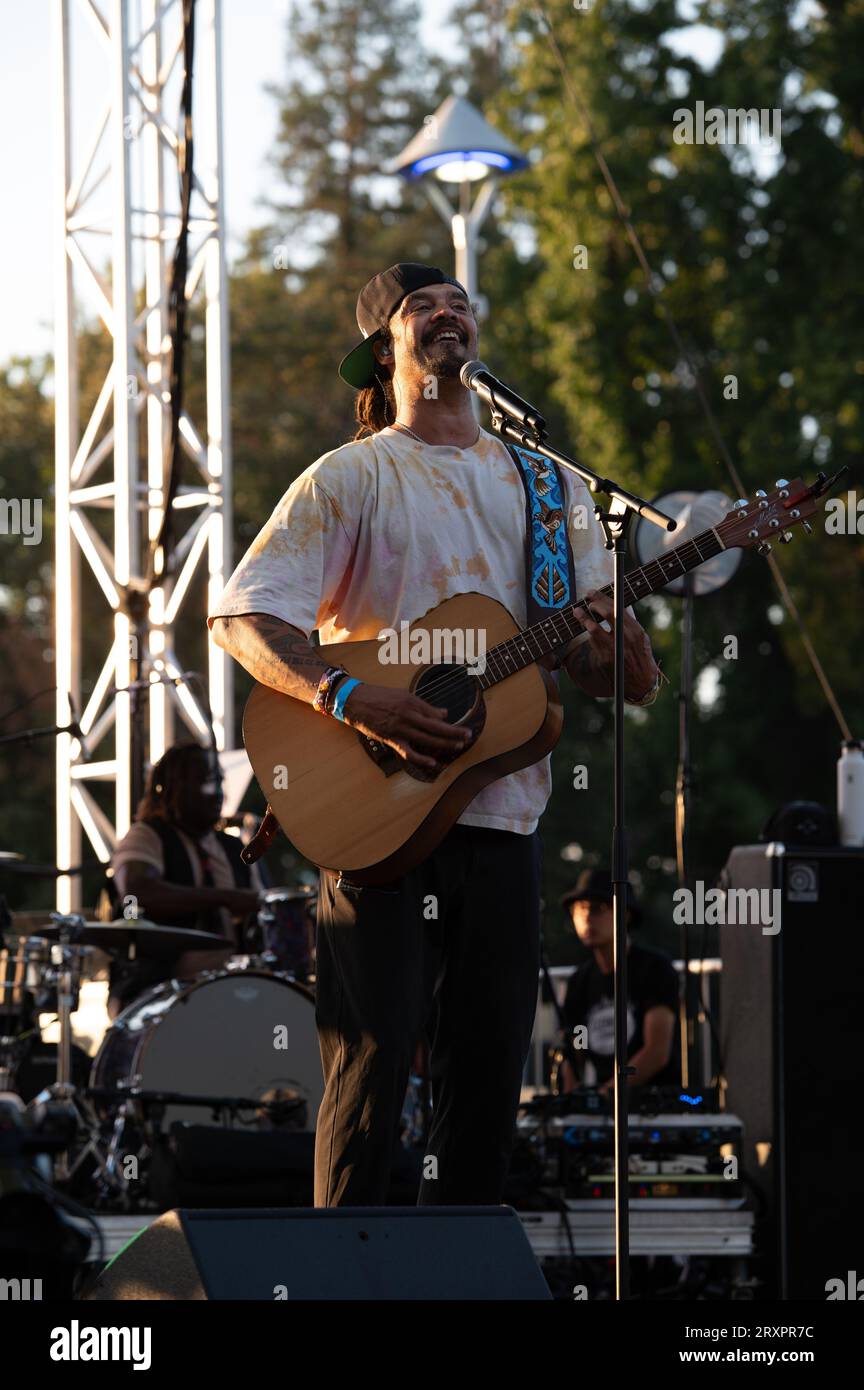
<point x="341" y="696"/>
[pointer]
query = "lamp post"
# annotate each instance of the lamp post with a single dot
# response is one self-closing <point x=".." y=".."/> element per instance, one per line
<point x="457" y="145"/>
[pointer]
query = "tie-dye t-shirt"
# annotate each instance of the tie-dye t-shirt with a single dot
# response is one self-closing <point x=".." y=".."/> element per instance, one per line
<point x="383" y="529"/>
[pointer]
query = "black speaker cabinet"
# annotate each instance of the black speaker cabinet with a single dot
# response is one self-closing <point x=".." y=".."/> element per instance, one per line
<point x="337" y="1253"/>
<point x="792" y="1029"/>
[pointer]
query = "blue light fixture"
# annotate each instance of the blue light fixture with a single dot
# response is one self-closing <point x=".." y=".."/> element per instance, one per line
<point x="458" y="145"/>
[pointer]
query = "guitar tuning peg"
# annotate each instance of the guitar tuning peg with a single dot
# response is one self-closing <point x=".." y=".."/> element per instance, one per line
<point x="742" y="502"/>
<point x="781" y="482"/>
<point x="786" y="538"/>
<point x="807" y="527"/>
<point x="764" y="549"/>
<point x="760" y="492"/>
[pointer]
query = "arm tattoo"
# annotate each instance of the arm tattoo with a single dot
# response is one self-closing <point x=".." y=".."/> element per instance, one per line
<point x="584" y="670"/>
<point x="579" y="660"/>
<point x="587" y="669"/>
<point x="272" y="651"/>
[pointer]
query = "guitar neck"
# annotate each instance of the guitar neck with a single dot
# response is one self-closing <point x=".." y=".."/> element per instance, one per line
<point x="543" y="638"/>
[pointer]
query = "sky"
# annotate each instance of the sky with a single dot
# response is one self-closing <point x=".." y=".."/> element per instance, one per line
<point x="254" y="46"/>
<point x="254" y="54"/>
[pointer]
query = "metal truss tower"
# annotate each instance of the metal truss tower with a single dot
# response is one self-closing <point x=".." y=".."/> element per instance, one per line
<point x="115" y="232"/>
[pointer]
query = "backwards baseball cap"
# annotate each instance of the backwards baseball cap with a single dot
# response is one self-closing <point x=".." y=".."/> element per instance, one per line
<point x="376" y="304"/>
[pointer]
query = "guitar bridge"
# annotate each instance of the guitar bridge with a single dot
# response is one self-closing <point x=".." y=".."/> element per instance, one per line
<point x="388" y="760"/>
<point x="382" y="755"/>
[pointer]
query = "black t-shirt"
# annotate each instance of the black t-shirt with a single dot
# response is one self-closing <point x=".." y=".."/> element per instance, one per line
<point x="651" y="980"/>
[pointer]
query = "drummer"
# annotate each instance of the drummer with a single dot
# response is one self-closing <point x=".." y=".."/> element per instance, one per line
<point x="178" y="870"/>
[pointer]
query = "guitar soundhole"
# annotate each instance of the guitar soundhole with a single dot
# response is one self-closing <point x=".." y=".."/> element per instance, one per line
<point x="446" y="687"/>
<point x="449" y="687"/>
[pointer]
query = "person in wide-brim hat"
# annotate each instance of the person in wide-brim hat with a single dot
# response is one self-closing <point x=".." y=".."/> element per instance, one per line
<point x="652" y="994"/>
<point x="595" y="885"/>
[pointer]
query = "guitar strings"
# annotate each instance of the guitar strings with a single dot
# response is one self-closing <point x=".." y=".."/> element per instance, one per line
<point x="452" y="678"/>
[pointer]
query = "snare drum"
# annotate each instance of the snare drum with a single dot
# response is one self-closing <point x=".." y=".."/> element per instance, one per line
<point x="242" y="1033"/>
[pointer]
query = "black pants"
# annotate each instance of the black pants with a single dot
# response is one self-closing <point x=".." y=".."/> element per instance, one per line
<point x="452" y="948"/>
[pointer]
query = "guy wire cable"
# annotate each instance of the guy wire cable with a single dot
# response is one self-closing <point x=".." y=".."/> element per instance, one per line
<point x="157" y="559"/>
<point x="655" y="287"/>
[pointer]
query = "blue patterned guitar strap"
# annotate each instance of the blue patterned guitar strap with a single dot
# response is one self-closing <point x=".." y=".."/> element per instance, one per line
<point x="548" y="555"/>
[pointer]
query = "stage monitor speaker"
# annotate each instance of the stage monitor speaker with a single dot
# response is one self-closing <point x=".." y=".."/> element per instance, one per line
<point x="334" y="1253"/>
<point x="791" y="1032"/>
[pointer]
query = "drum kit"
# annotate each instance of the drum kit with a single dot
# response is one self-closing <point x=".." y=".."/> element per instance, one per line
<point x="231" y="1049"/>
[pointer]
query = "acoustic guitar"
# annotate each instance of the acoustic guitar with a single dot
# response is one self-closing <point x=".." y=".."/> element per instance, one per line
<point x="351" y="804"/>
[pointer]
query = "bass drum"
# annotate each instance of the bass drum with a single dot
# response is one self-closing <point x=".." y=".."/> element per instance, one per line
<point x="244" y="1033"/>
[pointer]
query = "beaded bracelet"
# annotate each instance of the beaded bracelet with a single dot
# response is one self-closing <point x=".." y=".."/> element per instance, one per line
<point x="326" y="686"/>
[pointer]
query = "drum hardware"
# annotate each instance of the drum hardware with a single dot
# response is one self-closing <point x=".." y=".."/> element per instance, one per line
<point x="55" y="959"/>
<point x="109" y="1152"/>
<point x="10" y="1051"/>
<point x="141" y="939"/>
<point x="139" y="1126"/>
<point x="67" y="954"/>
<point x="115" y="1178"/>
<point x="35" y="970"/>
<point x="157" y="1101"/>
<point x="286" y="921"/>
<point x="154" y="1045"/>
<point x="84" y="1141"/>
<point x="245" y="962"/>
<point x="22" y="982"/>
<point x="185" y="1048"/>
<point x="157" y="1045"/>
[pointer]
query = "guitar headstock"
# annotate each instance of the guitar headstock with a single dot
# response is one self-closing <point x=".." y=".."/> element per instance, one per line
<point x="771" y="515"/>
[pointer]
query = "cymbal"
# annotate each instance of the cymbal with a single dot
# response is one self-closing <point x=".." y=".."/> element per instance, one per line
<point x="148" y="938"/>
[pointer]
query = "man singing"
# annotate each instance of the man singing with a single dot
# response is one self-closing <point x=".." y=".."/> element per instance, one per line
<point x="420" y="506"/>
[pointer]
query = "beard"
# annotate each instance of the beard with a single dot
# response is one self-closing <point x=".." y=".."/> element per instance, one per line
<point x="443" y="359"/>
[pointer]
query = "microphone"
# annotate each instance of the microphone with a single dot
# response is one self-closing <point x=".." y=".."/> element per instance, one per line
<point x="477" y="377"/>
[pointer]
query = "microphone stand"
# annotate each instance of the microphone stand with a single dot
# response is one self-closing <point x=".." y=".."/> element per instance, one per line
<point x="615" y="526"/>
<point x="683" y="790"/>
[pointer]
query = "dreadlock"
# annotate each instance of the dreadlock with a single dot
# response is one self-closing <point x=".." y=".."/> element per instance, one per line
<point x="375" y="406"/>
<point x="165" y="782"/>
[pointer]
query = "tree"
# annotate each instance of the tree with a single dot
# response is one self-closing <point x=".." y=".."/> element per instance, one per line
<point x="762" y="277"/>
<point x="26" y="638"/>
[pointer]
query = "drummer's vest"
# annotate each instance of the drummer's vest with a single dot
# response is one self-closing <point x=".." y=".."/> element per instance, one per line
<point x="127" y="980"/>
<point x="179" y="869"/>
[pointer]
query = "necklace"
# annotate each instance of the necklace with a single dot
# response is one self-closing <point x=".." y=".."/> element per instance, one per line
<point x="397" y="424"/>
